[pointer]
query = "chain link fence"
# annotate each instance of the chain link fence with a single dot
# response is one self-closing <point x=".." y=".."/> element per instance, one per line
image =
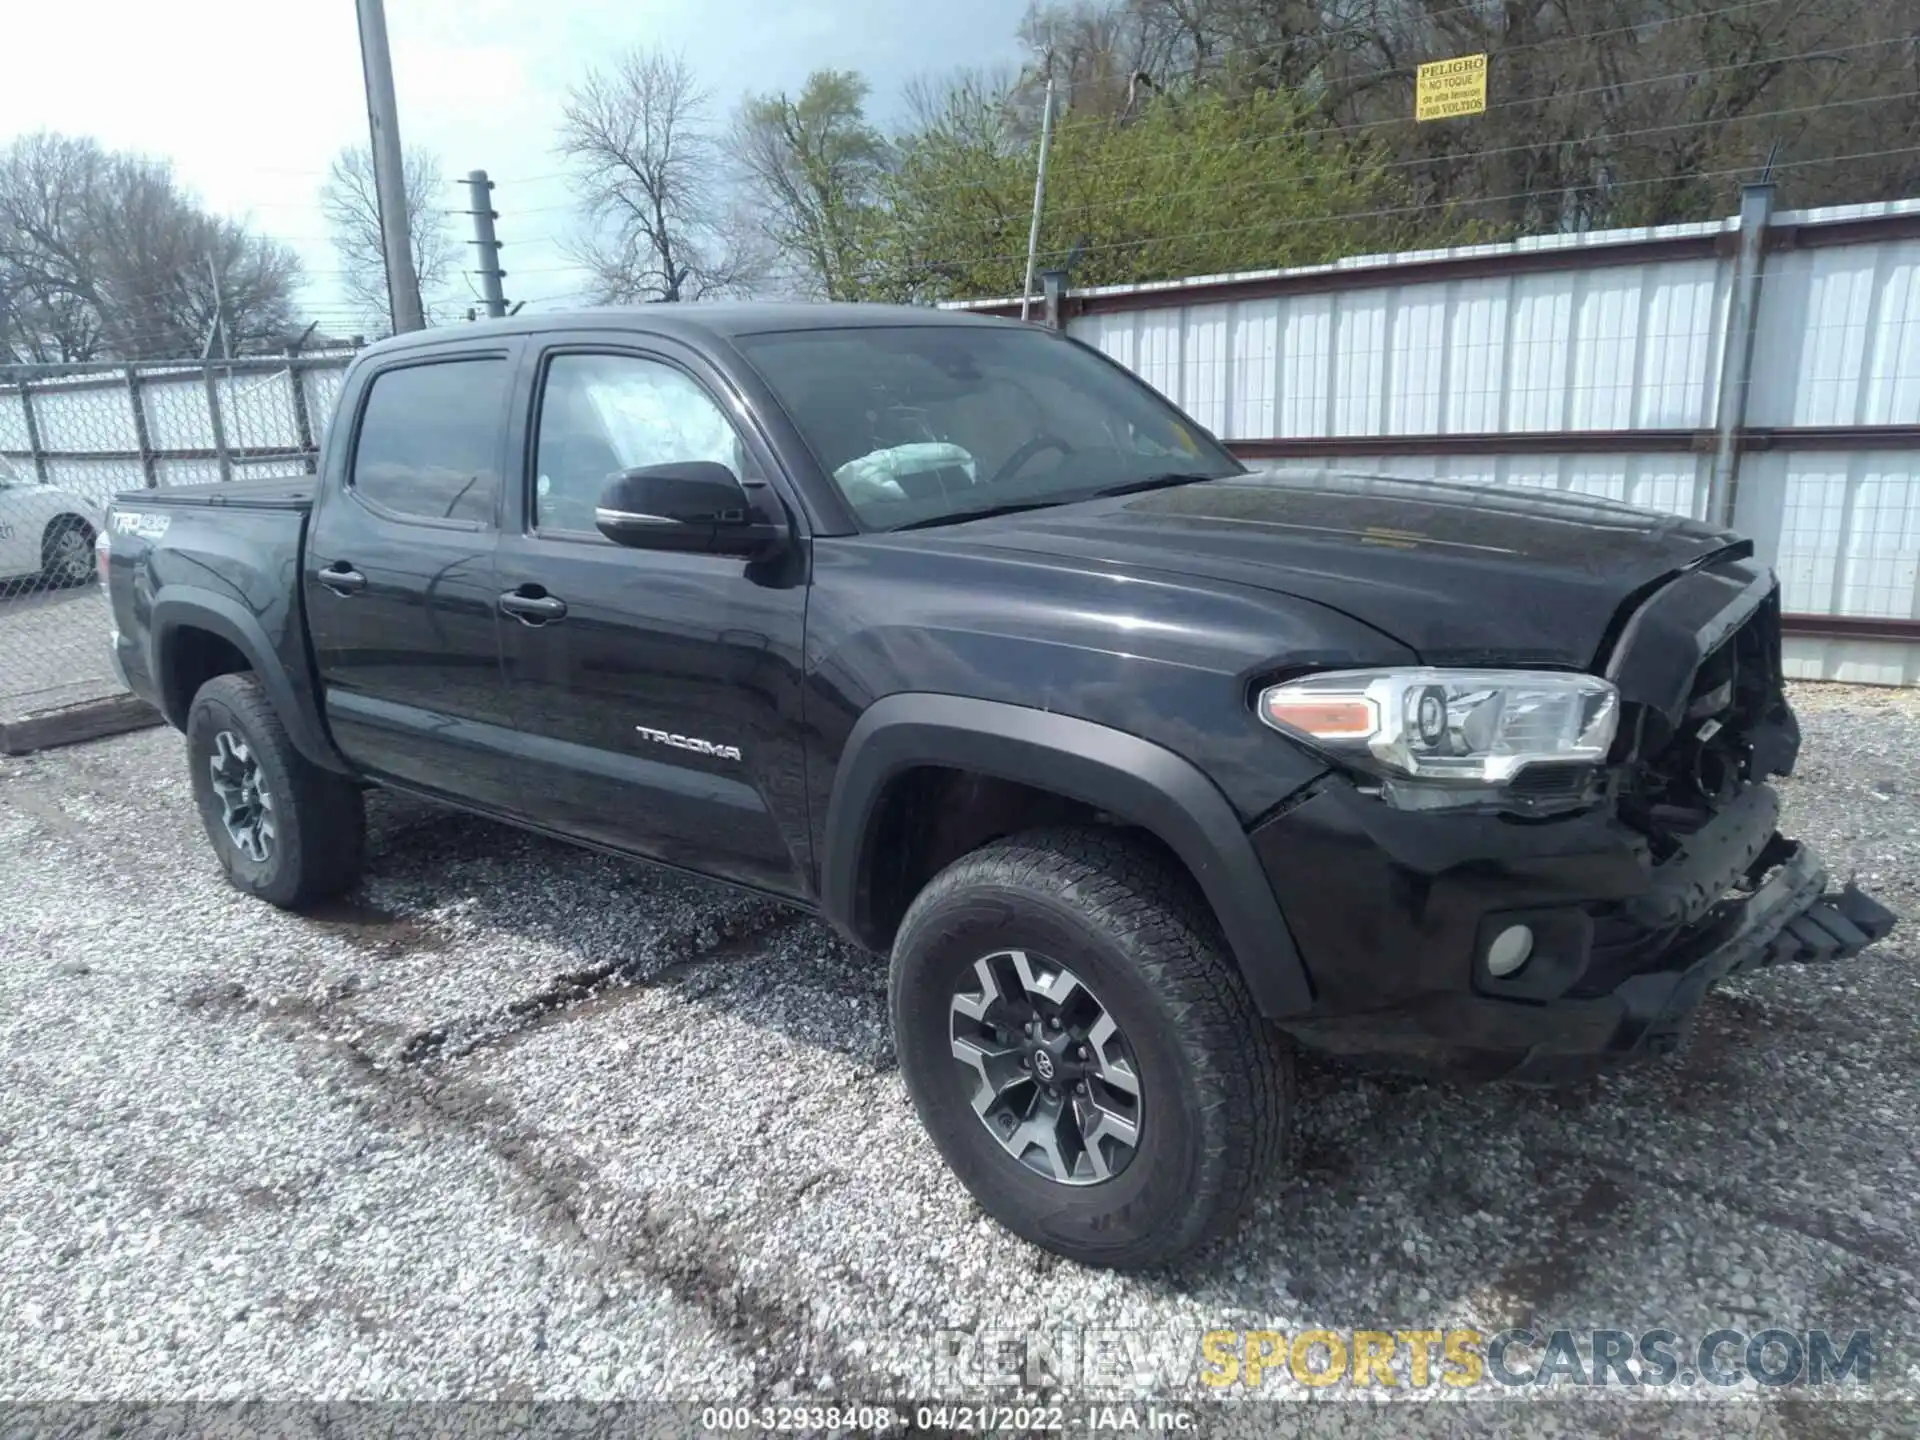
<point x="72" y="437"/>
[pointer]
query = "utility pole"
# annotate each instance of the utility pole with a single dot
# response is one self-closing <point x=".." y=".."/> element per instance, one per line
<point x="389" y="178"/>
<point x="1039" y="192"/>
<point x="480" y="206"/>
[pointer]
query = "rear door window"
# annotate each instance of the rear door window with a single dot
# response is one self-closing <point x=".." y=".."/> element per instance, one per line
<point x="430" y="439"/>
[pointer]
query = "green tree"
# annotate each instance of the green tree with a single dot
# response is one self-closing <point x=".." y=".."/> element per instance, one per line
<point x="1601" y="113"/>
<point x="813" y="168"/>
<point x="1190" y="183"/>
<point x="959" y="196"/>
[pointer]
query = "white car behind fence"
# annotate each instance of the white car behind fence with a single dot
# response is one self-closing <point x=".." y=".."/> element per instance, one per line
<point x="46" y="534"/>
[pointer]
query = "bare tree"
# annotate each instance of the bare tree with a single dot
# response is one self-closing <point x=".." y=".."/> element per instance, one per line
<point x="103" y="256"/>
<point x="351" y="203"/>
<point x="649" y="176"/>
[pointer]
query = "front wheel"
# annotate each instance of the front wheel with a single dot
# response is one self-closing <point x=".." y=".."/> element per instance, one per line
<point x="1083" y="1051"/>
<point x="284" y="829"/>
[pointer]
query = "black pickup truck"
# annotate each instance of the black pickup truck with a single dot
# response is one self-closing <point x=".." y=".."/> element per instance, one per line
<point x="1141" y="766"/>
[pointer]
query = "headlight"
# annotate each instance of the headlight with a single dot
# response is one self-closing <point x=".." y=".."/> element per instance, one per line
<point x="1465" y="734"/>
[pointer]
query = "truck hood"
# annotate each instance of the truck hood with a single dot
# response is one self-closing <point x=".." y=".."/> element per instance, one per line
<point x="1460" y="574"/>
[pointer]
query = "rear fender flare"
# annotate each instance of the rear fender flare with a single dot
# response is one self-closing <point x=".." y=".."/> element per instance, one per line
<point x="191" y="608"/>
<point x="1133" y="779"/>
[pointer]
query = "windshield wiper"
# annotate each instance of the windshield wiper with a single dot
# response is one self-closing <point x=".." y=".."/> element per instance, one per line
<point x="1166" y="480"/>
<point x="954" y="517"/>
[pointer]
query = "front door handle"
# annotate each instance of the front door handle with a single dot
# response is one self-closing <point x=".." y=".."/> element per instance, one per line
<point x="342" y="579"/>
<point x="536" y="609"/>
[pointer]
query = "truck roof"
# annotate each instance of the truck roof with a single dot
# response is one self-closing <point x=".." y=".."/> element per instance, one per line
<point x="723" y="319"/>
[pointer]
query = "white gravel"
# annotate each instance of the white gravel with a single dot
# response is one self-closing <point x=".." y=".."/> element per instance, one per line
<point x="519" y="1121"/>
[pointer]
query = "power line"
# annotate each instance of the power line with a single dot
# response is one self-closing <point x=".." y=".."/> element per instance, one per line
<point x="1426" y="161"/>
<point x="1494" y="54"/>
<point x="1365" y="126"/>
<point x="534" y="179"/>
<point x="1385" y="212"/>
<point x="1496" y="51"/>
<point x="1404" y="71"/>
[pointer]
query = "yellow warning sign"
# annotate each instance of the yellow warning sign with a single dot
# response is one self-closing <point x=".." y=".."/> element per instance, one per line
<point x="1449" y="88"/>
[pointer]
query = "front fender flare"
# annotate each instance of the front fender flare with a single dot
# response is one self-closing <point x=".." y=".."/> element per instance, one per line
<point x="1134" y="779"/>
<point x="189" y="607"/>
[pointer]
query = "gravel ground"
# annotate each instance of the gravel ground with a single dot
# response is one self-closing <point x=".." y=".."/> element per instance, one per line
<point x="518" y="1121"/>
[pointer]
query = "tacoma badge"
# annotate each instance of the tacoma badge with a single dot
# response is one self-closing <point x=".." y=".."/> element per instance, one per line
<point x="688" y="742"/>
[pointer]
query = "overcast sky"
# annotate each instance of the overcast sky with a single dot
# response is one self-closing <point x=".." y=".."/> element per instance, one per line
<point x="251" y="98"/>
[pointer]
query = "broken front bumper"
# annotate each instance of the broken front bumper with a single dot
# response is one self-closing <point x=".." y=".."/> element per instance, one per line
<point x="1394" y="912"/>
<point x="1790" y="919"/>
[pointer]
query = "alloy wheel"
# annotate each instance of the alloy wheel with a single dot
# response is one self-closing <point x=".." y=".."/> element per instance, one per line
<point x="72" y="557"/>
<point x="246" y="805"/>
<point x="1054" y="1079"/>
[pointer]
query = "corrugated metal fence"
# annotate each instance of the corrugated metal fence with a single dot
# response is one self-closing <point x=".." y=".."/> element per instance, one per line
<point x="1774" y="385"/>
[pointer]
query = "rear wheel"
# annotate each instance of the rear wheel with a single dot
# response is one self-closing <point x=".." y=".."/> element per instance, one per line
<point x="284" y="829"/>
<point x="1083" y="1051"/>
<point x="66" y="553"/>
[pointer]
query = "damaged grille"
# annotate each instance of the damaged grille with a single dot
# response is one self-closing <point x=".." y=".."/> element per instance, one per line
<point x="1734" y="730"/>
<point x="1693" y="786"/>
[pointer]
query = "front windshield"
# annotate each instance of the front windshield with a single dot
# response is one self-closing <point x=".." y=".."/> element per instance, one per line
<point x="922" y="423"/>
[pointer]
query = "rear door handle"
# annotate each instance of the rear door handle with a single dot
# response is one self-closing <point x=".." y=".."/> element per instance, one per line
<point x="533" y="609"/>
<point x="342" y="579"/>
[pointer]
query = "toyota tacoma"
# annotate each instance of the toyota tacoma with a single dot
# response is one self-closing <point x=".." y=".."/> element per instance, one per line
<point x="1143" y="768"/>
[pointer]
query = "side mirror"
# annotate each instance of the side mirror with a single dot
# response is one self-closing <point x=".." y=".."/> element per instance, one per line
<point x="692" y="505"/>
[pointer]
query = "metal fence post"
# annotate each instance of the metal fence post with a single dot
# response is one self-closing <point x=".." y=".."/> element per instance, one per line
<point x="38" y="450"/>
<point x="143" y="438"/>
<point x="219" y="425"/>
<point x="1053" y="284"/>
<point x="302" y="417"/>
<point x="1736" y="363"/>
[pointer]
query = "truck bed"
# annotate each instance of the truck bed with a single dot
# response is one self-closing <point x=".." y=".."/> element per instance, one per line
<point x="219" y="563"/>
<point x="281" y="492"/>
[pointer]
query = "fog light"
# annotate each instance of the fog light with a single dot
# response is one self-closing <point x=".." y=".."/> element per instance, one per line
<point x="1510" y="949"/>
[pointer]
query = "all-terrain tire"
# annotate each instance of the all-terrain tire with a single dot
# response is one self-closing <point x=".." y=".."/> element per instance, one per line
<point x="1216" y="1080"/>
<point x="318" y="817"/>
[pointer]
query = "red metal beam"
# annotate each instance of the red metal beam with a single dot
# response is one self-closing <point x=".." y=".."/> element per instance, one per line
<point x="1852" y="627"/>
<point x="1579" y="442"/>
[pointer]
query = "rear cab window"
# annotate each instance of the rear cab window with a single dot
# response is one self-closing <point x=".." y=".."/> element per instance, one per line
<point x="428" y="447"/>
